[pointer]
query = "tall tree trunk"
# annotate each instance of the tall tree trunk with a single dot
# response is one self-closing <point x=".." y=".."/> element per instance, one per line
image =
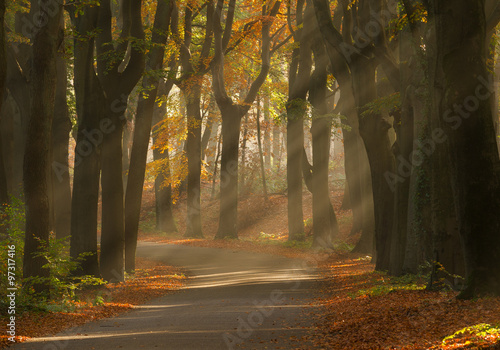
<point x="61" y="127"/>
<point x="261" y="156"/>
<point x="89" y="102"/>
<point x="320" y="130"/>
<point x="295" y="144"/>
<point x="112" y="223"/>
<point x="126" y="147"/>
<point x="298" y="85"/>
<point x="17" y="83"/>
<point x="403" y="125"/>
<point x="244" y="154"/>
<point x="374" y="129"/>
<point x="228" y="219"/>
<point x="191" y="84"/>
<point x="460" y="80"/>
<point x="276" y="146"/>
<point x="232" y="113"/>
<point x="354" y="168"/>
<point x="117" y="84"/>
<point x="210" y="126"/>
<point x="36" y="158"/>
<point x="211" y="150"/>
<point x="216" y="162"/>
<point x="163" y="193"/>
<point x="165" y="221"/>
<point x="143" y="123"/>
<point x="267" y="136"/>
<point x="193" y="151"/>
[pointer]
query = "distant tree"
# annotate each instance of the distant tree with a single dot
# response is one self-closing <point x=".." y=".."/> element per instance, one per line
<point x="194" y="60"/>
<point x="165" y="221"/>
<point x="232" y="112"/>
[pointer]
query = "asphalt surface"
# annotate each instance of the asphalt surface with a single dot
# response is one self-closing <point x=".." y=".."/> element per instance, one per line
<point x="233" y="300"/>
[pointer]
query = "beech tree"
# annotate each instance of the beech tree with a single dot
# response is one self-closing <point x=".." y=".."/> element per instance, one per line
<point x="231" y="112"/>
<point x="61" y="127"/>
<point x="298" y="85"/>
<point x="355" y="71"/>
<point x="117" y="84"/>
<point x="165" y="18"/>
<point x="89" y="104"/>
<point x="458" y="37"/>
<point x="194" y="61"/>
<point x="36" y="160"/>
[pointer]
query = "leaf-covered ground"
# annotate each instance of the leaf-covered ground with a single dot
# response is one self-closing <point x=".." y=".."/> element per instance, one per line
<point x="362" y="309"/>
<point x="368" y="310"/>
<point x="150" y="281"/>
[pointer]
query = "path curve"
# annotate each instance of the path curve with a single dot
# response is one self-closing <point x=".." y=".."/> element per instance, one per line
<point x="232" y="300"/>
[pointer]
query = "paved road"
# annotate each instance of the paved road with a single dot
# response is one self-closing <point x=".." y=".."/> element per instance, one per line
<point x="233" y="300"/>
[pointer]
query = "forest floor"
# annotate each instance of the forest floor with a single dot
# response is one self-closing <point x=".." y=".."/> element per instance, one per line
<point x="361" y="308"/>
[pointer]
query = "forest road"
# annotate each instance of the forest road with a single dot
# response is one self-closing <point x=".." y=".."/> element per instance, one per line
<point x="232" y="300"/>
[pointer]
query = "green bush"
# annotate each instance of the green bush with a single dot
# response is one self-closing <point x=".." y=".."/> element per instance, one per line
<point x="62" y="286"/>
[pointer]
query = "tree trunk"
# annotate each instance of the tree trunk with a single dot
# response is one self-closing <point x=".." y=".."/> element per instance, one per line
<point x="216" y="162"/>
<point x="126" y="147"/>
<point x="118" y="81"/>
<point x="358" y="177"/>
<point x="267" y="136"/>
<point x="211" y="151"/>
<point x="142" y="131"/>
<point x="112" y="223"/>
<point x="163" y="193"/>
<point x="193" y="151"/>
<point x="261" y="156"/>
<point x="36" y="158"/>
<point x="403" y="126"/>
<point x="228" y="219"/>
<point x="461" y="81"/>
<point x="18" y="85"/>
<point x="298" y="85"/>
<point x="243" y="154"/>
<point x="276" y="151"/>
<point x="61" y="127"/>
<point x="354" y="171"/>
<point x="295" y="144"/>
<point x="320" y="130"/>
<point x="374" y="129"/>
<point x="210" y="126"/>
<point x="91" y="130"/>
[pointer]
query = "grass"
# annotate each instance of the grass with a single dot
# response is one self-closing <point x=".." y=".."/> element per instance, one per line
<point x="384" y="284"/>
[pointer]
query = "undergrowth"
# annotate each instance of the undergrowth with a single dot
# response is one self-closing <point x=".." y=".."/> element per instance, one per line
<point x="62" y="287"/>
